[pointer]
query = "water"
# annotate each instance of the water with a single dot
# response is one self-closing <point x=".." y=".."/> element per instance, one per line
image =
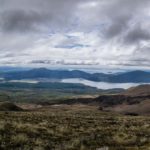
<point x="25" y="81"/>
<point x="101" y="85"/>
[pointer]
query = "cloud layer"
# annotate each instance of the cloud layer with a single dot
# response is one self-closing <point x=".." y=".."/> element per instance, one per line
<point x="112" y="33"/>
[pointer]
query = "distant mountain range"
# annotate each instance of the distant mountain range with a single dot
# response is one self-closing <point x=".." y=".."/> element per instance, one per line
<point x="126" y="77"/>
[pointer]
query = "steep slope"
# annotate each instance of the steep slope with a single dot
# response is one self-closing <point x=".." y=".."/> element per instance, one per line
<point x="7" y="106"/>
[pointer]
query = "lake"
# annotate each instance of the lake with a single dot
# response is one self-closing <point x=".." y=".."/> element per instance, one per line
<point x="101" y="85"/>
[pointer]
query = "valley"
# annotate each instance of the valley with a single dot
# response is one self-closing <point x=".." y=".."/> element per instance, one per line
<point x="53" y="115"/>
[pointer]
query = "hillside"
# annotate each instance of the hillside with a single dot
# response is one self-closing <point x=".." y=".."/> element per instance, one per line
<point x="135" y="100"/>
<point x="73" y="128"/>
<point x="140" y="90"/>
<point x="142" y="108"/>
<point x="8" y="106"/>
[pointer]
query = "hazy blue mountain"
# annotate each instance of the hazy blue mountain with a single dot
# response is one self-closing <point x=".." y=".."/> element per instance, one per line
<point x="8" y="69"/>
<point x="133" y="76"/>
<point x="53" y="74"/>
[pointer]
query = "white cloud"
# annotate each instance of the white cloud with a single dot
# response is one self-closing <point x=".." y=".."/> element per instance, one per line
<point x="82" y="32"/>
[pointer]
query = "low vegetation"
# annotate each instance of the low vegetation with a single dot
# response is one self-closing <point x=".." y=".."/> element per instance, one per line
<point x="73" y="128"/>
<point x="40" y="95"/>
<point x="44" y="119"/>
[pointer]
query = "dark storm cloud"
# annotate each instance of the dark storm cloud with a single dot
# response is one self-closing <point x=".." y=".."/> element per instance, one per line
<point x="37" y="15"/>
<point x="112" y="27"/>
<point x="118" y="25"/>
<point x="136" y="35"/>
<point x="25" y="15"/>
<point x="20" y="20"/>
<point x="122" y="13"/>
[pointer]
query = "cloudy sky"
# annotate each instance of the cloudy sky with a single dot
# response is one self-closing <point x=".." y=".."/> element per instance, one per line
<point x="104" y="33"/>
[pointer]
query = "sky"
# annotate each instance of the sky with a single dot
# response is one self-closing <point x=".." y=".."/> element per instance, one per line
<point x="101" y="33"/>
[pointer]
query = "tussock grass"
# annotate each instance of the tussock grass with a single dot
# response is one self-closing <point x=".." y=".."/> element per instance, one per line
<point x="73" y="129"/>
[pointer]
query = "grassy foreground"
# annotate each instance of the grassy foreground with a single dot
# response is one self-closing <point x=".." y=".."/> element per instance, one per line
<point x="74" y="128"/>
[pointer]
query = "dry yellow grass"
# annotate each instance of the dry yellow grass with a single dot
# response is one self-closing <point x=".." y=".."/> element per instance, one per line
<point x="76" y="127"/>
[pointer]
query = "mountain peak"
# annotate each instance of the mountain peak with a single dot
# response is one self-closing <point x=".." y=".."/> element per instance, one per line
<point x="40" y="69"/>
